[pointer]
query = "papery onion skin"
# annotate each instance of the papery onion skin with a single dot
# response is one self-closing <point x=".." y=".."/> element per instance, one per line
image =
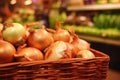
<point x="58" y="50"/>
<point x="7" y="51"/>
<point x="85" y="54"/>
<point x="28" y="54"/>
<point x="79" y="44"/>
<point x="40" y="39"/>
<point x="61" y="34"/>
<point x="71" y="50"/>
<point x="55" y="51"/>
<point x="14" y="33"/>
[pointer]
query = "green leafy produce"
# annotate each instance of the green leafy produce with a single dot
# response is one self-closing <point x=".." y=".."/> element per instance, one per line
<point x="108" y="33"/>
<point x="105" y="21"/>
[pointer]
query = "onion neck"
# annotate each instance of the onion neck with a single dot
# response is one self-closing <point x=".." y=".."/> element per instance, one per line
<point x="7" y="25"/>
<point x="58" y="25"/>
<point x="50" y="30"/>
<point x="21" y="47"/>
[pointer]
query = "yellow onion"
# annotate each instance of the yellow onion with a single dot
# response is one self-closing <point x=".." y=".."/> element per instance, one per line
<point x="14" y="33"/>
<point x="28" y="54"/>
<point x="85" y="54"/>
<point x="58" y="50"/>
<point x="40" y="38"/>
<point x="71" y="50"/>
<point x="61" y="34"/>
<point x="79" y="44"/>
<point x="7" y="51"/>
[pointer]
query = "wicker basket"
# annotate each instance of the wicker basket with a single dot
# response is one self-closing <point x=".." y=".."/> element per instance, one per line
<point x="64" y="69"/>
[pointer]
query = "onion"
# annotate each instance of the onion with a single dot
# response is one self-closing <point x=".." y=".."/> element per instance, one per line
<point x="85" y="54"/>
<point x="58" y="50"/>
<point x="14" y="33"/>
<point x="71" y="50"/>
<point x="1" y="28"/>
<point x="79" y="44"/>
<point x="28" y="54"/>
<point x="7" y="51"/>
<point x="40" y="38"/>
<point x="61" y="34"/>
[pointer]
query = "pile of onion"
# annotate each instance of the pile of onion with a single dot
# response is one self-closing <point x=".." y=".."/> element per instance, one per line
<point x="7" y="51"/>
<point x="42" y="43"/>
<point x="40" y="38"/>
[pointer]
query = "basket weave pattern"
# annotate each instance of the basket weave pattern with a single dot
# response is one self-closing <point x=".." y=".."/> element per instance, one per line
<point x="64" y="69"/>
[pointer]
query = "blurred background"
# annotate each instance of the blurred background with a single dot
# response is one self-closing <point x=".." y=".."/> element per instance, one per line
<point x="97" y="21"/>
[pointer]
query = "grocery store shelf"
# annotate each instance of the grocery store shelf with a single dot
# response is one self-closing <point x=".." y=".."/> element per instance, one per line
<point x="100" y="39"/>
<point x="94" y="7"/>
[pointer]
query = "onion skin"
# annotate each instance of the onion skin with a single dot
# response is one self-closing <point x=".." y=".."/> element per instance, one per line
<point x="14" y="33"/>
<point x="61" y="34"/>
<point x="40" y="39"/>
<point x="58" y="50"/>
<point x="71" y="50"/>
<point x="85" y="54"/>
<point x="28" y="54"/>
<point x="7" y="51"/>
<point x="79" y="44"/>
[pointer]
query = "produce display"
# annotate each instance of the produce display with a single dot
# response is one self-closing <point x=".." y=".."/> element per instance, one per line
<point x="101" y="24"/>
<point x="109" y="33"/>
<point x="22" y="16"/>
<point x="107" y="20"/>
<point x="25" y="43"/>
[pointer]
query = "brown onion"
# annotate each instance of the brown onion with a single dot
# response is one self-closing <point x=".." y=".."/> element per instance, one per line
<point x="7" y="51"/>
<point x="85" y="54"/>
<point x="71" y="50"/>
<point x="58" y="50"/>
<point x="40" y="38"/>
<point x="61" y="34"/>
<point x="28" y="54"/>
<point x="79" y="44"/>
